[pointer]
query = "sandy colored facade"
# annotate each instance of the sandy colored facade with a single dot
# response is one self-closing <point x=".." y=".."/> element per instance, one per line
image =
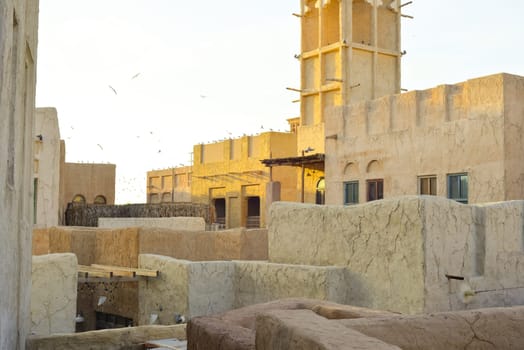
<point x="458" y="141"/>
<point x="88" y="183"/>
<point x="18" y="57"/>
<point x="169" y="185"/>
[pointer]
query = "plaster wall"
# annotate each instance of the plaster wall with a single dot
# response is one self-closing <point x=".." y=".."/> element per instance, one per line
<point x="178" y="223"/>
<point x="18" y="57"/>
<point x="434" y="132"/>
<point x="103" y="245"/>
<point x="47" y="167"/>
<point x="54" y="292"/>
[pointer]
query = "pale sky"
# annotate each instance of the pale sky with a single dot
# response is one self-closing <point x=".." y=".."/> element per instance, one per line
<point x="187" y="72"/>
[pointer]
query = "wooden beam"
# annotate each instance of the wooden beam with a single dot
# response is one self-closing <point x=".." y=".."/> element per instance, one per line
<point x="135" y="271"/>
<point x="89" y="271"/>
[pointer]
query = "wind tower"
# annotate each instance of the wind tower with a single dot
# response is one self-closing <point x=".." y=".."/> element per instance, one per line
<point x="350" y="52"/>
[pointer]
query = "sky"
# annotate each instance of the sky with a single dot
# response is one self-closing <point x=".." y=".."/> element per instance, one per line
<point x="137" y="83"/>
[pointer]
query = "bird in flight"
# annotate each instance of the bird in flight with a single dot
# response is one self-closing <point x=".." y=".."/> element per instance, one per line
<point x="112" y="88"/>
<point x="135" y="76"/>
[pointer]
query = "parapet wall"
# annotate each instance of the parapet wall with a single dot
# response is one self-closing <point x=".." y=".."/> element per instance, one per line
<point x="409" y="254"/>
<point x="121" y="246"/>
<point x="176" y="223"/>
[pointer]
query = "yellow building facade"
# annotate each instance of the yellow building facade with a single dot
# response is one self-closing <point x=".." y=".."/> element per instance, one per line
<point x="229" y="175"/>
<point x="169" y="185"/>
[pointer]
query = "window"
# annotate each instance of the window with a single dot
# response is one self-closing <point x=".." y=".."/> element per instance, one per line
<point x="100" y="200"/>
<point x="79" y="199"/>
<point x="351" y="192"/>
<point x="458" y="187"/>
<point x="427" y="185"/>
<point x="320" y="196"/>
<point x="375" y="189"/>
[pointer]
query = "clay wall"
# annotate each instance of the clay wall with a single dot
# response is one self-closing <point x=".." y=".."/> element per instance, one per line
<point x="208" y="287"/>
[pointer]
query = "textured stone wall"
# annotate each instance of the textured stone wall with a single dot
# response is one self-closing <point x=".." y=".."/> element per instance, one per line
<point x="410" y="254"/>
<point x="380" y="243"/>
<point x="174" y="223"/>
<point x="88" y="215"/>
<point x="53" y="295"/>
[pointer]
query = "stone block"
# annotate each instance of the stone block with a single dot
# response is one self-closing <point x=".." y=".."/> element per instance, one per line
<point x="53" y="294"/>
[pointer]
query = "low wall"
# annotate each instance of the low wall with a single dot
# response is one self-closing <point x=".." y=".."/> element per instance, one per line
<point x="203" y="288"/>
<point x="174" y="223"/>
<point x="130" y="338"/>
<point x="53" y="294"/>
<point x="121" y="246"/>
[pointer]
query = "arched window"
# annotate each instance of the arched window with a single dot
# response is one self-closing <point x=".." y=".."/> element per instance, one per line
<point x="100" y="200"/>
<point x="79" y="199"/>
<point x="321" y="192"/>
